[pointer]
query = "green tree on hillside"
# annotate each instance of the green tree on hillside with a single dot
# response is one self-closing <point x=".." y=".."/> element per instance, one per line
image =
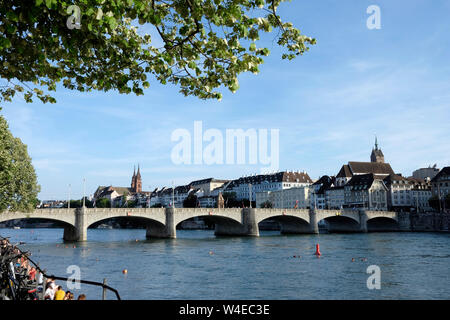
<point x="18" y="181"/>
<point x="206" y="44"/>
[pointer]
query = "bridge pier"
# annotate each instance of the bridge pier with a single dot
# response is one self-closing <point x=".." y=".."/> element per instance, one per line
<point x="168" y="231"/>
<point x="79" y="232"/>
<point x="249" y="226"/>
<point x="404" y="221"/>
<point x="363" y="221"/>
<point x="313" y="223"/>
<point x="70" y="234"/>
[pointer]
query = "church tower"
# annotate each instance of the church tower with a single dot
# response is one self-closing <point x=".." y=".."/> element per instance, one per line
<point x="133" y="180"/>
<point x="138" y="181"/>
<point x="377" y="155"/>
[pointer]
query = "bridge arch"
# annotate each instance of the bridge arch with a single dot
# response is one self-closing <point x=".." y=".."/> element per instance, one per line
<point x="326" y="214"/>
<point x="153" y="220"/>
<point x="289" y="224"/>
<point x="143" y="221"/>
<point x="70" y="231"/>
<point x="227" y="222"/>
<point x="66" y="216"/>
<point x="264" y="214"/>
<point x="216" y="219"/>
<point x="341" y="223"/>
<point x="382" y="224"/>
<point x="181" y="215"/>
<point x="154" y="228"/>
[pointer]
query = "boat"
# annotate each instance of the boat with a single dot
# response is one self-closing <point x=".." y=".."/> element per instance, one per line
<point x="17" y="228"/>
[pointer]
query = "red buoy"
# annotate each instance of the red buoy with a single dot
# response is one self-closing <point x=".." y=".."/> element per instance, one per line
<point x="317" y="250"/>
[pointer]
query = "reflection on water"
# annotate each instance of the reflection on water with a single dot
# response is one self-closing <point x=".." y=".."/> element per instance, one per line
<point x="198" y="265"/>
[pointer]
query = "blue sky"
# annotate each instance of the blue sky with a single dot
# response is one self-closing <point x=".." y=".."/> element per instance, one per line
<point x="327" y="104"/>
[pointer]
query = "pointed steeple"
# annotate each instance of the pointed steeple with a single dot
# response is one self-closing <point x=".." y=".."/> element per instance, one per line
<point x="138" y="172"/>
<point x="377" y="154"/>
<point x="133" y="179"/>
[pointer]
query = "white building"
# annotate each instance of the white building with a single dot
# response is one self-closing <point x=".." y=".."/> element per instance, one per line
<point x="162" y="197"/>
<point x="366" y="191"/>
<point x="207" y="201"/>
<point x="208" y="185"/>
<point x="335" y="197"/>
<point x="268" y="182"/>
<point x="399" y="192"/>
<point x="440" y="184"/>
<point x="297" y="197"/>
<point x="420" y="195"/>
<point x="317" y="192"/>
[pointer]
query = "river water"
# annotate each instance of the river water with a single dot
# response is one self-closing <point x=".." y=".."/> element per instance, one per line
<point x="198" y="265"/>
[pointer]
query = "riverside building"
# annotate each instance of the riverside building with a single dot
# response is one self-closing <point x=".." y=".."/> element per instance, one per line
<point x="247" y="187"/>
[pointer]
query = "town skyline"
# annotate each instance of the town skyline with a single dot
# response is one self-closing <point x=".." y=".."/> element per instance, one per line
<point x="327" y="104"/>
<point x="145" y="187"/>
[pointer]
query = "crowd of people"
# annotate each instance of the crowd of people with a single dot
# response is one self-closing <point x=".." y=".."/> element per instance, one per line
<point x="29" y="275"/>
<point x="55" y="292"/>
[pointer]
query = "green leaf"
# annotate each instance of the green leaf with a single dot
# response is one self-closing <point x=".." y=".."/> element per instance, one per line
<point x="112" y="52"/>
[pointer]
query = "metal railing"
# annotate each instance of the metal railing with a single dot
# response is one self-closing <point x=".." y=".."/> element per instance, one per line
<point x="45" y="276"/>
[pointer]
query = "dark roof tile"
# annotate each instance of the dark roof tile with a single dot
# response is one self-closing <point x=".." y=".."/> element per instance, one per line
<point x="370" y="167"/>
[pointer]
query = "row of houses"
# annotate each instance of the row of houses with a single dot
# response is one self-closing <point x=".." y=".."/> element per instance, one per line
<point x="205" y="191"/>
<point x="372" y="185"/>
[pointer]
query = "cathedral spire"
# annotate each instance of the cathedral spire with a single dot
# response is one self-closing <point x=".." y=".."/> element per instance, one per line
<point x="377" y="154"/>
<point x="138" y="181"/>
<point x="133" y="179"/>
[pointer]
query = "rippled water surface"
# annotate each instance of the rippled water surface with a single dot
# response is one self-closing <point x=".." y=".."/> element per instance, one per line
<point x="198" y="265"/>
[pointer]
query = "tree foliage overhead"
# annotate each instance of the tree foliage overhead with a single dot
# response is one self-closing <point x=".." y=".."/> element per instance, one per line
<point x="18" y="181"/>
<point x="206" y="44"/>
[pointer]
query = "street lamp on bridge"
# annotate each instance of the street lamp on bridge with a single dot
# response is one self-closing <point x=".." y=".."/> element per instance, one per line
<point x="68" y="200"/>
<point x="84" y="192"/>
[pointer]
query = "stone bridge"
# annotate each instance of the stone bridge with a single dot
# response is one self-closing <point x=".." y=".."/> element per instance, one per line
<point x="162" y="222"/>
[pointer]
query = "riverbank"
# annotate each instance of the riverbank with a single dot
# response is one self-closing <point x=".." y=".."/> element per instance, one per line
<point x="430" y="222"/>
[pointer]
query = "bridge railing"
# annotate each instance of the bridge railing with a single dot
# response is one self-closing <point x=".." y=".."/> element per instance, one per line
<point x="121" y="210"/>
<point x="282" y="210"/>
